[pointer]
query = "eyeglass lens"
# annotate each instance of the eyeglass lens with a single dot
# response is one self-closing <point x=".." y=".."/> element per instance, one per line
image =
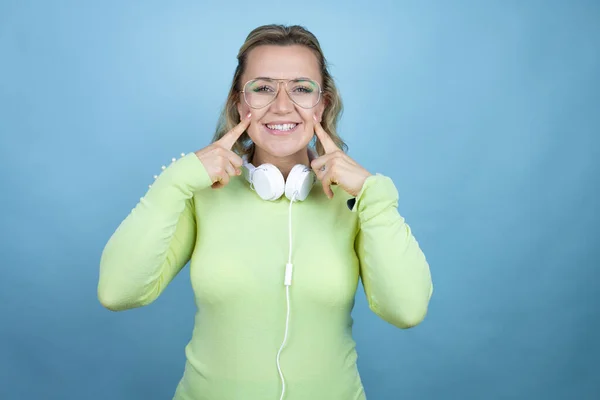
<point x="259" y="93"/>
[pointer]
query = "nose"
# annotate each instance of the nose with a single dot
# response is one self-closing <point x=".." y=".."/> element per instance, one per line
<point x="282" y="103"/>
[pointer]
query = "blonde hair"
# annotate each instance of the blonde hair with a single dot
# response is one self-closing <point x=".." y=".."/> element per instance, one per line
<point x="281" y="35"/>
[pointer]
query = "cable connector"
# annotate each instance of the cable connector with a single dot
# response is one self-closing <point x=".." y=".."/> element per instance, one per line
<point x="288" y="274"/>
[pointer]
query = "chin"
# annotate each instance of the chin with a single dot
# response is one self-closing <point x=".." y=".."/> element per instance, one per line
<point x="281" y="150"/>
<point x="281" y="144"/>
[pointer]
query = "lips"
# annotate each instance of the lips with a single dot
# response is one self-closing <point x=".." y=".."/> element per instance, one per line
<point x="281" y="128"/>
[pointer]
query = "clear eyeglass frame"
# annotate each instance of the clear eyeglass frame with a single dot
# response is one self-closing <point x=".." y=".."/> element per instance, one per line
<point x="285" y="81"/>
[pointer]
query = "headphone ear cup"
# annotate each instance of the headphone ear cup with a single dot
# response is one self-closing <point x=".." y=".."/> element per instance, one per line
<point x="268" y="182"/>
<point x="300" y="181"/>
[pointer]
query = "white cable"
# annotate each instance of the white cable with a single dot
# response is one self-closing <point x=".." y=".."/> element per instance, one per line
<point x="290" y="228"/>
<point x="287" y="295"/>
<point x="287" y="282"/>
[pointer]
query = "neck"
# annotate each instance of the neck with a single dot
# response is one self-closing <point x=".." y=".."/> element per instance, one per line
<point x="283" y="164"/>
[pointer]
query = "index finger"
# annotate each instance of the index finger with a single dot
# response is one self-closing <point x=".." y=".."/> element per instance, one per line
<point x="229" y="139"/>
<point x="328" y="144"/>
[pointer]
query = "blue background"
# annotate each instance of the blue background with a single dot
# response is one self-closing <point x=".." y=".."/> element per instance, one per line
<point x="485" y="114"/>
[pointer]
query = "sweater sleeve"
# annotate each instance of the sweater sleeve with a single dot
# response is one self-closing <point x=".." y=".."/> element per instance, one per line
<point x="155" y="241"/>
<point x="394" y="271"/>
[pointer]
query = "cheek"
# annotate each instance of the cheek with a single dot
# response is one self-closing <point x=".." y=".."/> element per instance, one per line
<point x="318" y="111"/>
<point x="255" y="127"/>
<point x="309" y="122"/>
<point x="253" y="130"/>
<point x="243" y="109"/>
<point x="307" y="116"/>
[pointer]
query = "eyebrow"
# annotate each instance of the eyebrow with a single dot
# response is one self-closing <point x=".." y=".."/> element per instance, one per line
<point x="277" y="79"/>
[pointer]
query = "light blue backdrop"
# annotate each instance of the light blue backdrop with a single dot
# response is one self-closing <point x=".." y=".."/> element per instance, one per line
<point x="485" y="114"/>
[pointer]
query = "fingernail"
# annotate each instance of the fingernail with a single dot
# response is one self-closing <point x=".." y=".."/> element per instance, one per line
<point x="315" y="117"/>
<point x="249" y="115"/>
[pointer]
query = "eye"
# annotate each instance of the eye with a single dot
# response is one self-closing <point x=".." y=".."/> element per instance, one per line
<point x="263" y="89"/>
<point x="303" y="86"/>
<point x="303" y="89"/>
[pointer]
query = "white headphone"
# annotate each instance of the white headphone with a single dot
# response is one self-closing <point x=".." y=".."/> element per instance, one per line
<point x="267" y="181"/>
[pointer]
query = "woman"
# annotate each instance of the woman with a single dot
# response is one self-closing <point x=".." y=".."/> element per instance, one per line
<point x="275" y="261"/>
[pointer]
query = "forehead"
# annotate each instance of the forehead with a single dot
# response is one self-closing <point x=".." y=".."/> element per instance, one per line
<point x="282" y="62"/>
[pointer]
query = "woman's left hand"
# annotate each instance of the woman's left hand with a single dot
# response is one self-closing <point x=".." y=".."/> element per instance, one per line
<point x="336" y="168"/>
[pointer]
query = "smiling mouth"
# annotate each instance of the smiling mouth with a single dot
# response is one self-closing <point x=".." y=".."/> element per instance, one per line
<point x="281" y="129"/>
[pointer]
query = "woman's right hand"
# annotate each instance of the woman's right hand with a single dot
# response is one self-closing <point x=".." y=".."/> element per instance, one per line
<point x="218" y="159"/>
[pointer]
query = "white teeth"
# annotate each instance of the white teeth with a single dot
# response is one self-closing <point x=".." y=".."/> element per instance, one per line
<point x="282" y="127"/>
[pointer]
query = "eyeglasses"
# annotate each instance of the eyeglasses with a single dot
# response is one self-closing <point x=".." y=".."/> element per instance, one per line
<point x="260" y="92"/>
